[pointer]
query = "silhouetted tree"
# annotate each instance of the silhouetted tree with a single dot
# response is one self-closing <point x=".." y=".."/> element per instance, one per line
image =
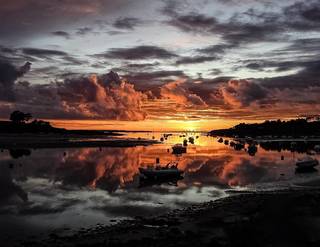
<point x="20" y="117"/>
<point x="292" y="128"/>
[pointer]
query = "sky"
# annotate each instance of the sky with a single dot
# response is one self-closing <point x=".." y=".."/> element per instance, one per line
<point x="159" y="64"/>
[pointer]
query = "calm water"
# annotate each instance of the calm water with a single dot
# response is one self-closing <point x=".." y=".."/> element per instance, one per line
<point x="51" y="189"/>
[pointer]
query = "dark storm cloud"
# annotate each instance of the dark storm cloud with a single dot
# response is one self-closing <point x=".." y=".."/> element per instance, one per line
<point x="7" y="50"/>
<point x="49" y="70"/>
<point x="83" y="97"/>
<point x="84" y="30"/>
<point x="304" y="46"/>
<point x="42" y="53"/>
<point x="215" y="72"/>
<point x="137" y="53"/>
<point x="28" y="20"/>
<point x="229" y="93"/>
<point x="132" y="68"/>
<point x="128" y="23"/>
<point x="8" y="75"/>
<point x="306" y="77"/>
<point x="261" y="27"/>
<point x="279" y="66"/>
<point x="158" y="74"/>
<point x="243" y="92"/>
<point x="146" y="80"/>
<point x="70" y="60"/>
<point x="36" y="54"/>
<point x="217" y="49"/>
<point x="62" y="34"/>
<point x="142" y="65"/>
<point x="303" y="15"/>
<point x="193" y="22"/>
<point x="235" y="32"/>
<point x="232" y="32"/>
<point x="195" y="60"/>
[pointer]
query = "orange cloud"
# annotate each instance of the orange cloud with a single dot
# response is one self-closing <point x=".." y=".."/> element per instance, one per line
<point x="179" y="92"/>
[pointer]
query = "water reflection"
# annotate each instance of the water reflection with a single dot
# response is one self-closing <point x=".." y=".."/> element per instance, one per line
<point x="80" y="187"/>
<point x="17" y="153"/>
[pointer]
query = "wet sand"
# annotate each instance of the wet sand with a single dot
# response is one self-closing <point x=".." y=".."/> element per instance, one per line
<point x="13" y="141"/>
<point x="283" y="218"/>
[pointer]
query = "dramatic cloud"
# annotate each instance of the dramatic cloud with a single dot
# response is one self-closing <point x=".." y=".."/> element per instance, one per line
<point x="84" y="30"/>
<point x="128" y="23"/>
<point x="217" y="49"/>
<point x="179" y="93"/>
<point x="42" y="53"/>
<point x="195" y="59"/>
<point x="241" y="93"/>
<point x="62" y="34"/>
<point x="146" y="80"/>
<point x="105" y="98"/>
<point x="8" y="75"/>
<point x="194" y="23"/>
<point x="137" y="53"/>
<point x="245" y="59"/>
<point x="232" y="32"/>
<point x="27" y="20"/>
<point x="303" y="15"/>
<point x="94" y="97"/>
<point x="308" y="76"/>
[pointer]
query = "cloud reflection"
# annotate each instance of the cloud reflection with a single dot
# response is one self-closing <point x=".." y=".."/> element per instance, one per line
<point x="100" y="184"/>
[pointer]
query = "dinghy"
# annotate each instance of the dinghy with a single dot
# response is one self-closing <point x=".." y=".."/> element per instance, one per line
<point x="169" y="171"/>
<point x="307" y="162"/>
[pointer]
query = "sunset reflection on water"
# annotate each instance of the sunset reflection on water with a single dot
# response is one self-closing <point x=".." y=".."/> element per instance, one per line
<point x="93" y="185"/>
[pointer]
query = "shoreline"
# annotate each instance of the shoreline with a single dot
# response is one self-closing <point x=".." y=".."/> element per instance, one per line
<point x="278" y="218"/>
<point x="15" y="141"/>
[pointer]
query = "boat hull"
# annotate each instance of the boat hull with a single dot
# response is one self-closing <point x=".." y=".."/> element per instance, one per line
<point x="166" y="173"/>
<point x="307" y="164"/>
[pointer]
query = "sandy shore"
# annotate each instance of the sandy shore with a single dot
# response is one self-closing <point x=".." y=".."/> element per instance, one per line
<point x="287" y="218"/>
<point x="14" y="141"/>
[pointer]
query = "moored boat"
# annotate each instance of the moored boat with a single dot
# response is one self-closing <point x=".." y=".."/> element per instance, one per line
<point x="185" y="142"/>
<point x="179" y="149"/>
<point x="307" y="162"/>
<point x="252" y="149"/>
<point x="169" y="171"/>
<point x="191" y="139"/>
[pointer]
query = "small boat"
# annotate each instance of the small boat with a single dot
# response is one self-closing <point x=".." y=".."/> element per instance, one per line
<point x="169" y="171"/>
<point x="179" y="149"/>
<point x="238" y="146"/>
<point x="191" y="139"/>
<point x="307" y="162"/>
<point x="185" y="142"/>
<point x="252" y="149"/>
